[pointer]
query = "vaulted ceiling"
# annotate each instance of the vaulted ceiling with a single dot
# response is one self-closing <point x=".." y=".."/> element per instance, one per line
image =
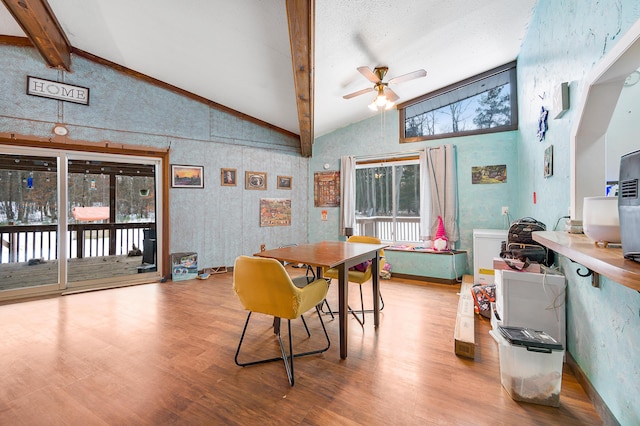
<point x="283" y="63"/>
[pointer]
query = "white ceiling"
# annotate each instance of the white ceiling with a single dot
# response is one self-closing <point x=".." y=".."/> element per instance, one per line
<point x="237" y="53"/>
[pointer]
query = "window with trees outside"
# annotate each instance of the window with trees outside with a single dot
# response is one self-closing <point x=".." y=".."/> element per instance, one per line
<point x="485" y="103"/>
<point x="388" y="200"/>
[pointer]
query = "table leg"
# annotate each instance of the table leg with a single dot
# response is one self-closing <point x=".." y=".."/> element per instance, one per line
<point x="375" y="262"/>
<point x="343" y="309"/>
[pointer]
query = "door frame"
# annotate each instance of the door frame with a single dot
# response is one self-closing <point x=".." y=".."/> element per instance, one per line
<point x="122" y="152"/>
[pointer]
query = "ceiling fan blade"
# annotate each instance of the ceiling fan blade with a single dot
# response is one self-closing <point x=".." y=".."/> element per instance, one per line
<point x="358" y="93"/>
<point x="391" y="95"/>
<point x="368" y="74"/>
<point x="407" y="77"/>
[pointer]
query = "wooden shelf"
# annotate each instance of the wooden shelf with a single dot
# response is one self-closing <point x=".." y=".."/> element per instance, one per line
<point x="605" y="261"/>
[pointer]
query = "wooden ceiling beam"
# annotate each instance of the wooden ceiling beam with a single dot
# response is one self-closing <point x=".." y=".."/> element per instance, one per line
<point x="301" y="19"/>
<point x="38" y="22"/>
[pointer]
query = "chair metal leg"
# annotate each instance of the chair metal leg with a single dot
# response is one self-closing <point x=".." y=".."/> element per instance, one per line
<point x="287" y="358"/>
<point x="305" y="326"/>
<point x="351" y="311"/>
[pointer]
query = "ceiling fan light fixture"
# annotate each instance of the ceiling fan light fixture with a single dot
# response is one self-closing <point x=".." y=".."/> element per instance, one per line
<point x="373" y="106"/>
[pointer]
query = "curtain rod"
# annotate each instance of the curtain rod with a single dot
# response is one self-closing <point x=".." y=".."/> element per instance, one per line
<point x="387" y="156"/>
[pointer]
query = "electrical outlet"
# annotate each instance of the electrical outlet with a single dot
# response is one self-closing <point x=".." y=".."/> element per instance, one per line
<point x="505" y="210"/>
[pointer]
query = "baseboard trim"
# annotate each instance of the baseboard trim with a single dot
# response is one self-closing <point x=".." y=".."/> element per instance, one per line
<point x="601" y="407"/>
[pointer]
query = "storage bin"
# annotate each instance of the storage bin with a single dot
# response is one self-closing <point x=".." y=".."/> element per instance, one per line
<point x="530" y="365"/>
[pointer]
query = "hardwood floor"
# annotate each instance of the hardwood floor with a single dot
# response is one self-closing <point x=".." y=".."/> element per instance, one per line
<point x="163" y="354"/>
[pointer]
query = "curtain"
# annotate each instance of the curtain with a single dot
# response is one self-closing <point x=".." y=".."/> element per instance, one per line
<point x="347" y="193"/>
<point x="425" y="198"/>
<point x="442" y="181"/>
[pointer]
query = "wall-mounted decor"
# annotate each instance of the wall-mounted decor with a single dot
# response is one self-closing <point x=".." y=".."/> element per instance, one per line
<point x="489" y="174"/>
<point x="326" y="189"/>
<point x="543" y="125"/>
<point x="275" y="212"/>
<point x="54" y="90"/>
<point x="187" y="176"/>
<point x="548" y="161"/>
<point x="228" y="177"/>
<point x="284" y="182"/>
<point x="255" y="180"/>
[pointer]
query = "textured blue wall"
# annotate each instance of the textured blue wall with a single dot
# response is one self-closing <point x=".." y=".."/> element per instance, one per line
<point x="218" y="222"/>
<point x="479" y="205"/>
<point x="565" y="40"/>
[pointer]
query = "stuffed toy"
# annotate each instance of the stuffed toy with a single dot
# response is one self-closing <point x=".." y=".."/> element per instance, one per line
<point x="440" y="242"/>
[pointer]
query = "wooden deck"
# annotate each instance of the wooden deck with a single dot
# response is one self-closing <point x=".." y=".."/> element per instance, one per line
<point x="21" y="275"/>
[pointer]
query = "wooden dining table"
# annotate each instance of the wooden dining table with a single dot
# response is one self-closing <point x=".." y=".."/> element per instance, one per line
<point x="340" y="255"/>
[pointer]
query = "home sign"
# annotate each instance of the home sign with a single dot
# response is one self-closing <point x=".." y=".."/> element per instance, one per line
<point x="54" y="90"/>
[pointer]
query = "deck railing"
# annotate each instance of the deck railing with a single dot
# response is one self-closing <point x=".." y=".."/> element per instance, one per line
<point x="20" y="243"/>
<point x="404" y="229"/>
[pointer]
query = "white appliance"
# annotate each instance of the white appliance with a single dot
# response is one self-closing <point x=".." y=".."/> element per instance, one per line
<point x="487" y="244"/>
<point x="526" y="299"/>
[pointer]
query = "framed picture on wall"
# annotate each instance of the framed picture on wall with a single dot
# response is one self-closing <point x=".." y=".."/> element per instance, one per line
<point x="548" y="161"/>
<point x="326" y="189"/>
<point x="255" y="180"/>
<point x="228" y="177"/>
<point x="187" y="176"/>
<point x="284" y="182"/>
<point x="275" y="212"/>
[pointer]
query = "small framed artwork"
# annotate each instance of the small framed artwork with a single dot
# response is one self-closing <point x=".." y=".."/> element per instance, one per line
<point x="489" y="174"/>
<point x="284" y="182"/>
<point x="187" y="176"/>
<point x="228" y="177"/>
<point x="548" y="161"/>
<point x="255" y="180"/>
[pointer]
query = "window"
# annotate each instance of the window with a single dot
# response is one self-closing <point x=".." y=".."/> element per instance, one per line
<point x="388" y="200"/>
<point x="485" y="103"/>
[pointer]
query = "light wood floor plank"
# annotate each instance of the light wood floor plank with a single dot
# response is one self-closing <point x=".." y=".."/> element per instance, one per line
<point x="163" y="353"/>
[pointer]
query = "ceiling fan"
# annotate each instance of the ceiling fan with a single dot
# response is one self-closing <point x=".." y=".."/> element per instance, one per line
<point x="386" y="97"/>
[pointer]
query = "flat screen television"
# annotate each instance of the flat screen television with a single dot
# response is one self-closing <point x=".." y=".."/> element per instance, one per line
<point x="629" y="205"/>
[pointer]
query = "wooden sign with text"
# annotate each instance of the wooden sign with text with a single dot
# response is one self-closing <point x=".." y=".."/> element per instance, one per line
<point x="54" y="90"/>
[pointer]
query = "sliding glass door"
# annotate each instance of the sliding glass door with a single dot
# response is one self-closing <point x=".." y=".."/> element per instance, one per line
<point x="112" y="220"/>
<point x="107" y="233"/>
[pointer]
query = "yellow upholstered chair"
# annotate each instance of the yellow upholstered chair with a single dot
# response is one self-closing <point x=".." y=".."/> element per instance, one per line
<point x="263" y="286"/>
<point x="360" y="277"/>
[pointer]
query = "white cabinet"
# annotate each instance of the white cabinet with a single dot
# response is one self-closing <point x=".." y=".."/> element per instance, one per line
<point x="537" y="301"/>
<point x="486" y="245"/>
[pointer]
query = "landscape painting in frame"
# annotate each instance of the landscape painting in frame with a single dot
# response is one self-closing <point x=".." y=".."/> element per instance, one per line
<point x="489" y="174"/>
<point x="284" y="182"/>
<point x="275" y="212"/>
<point x="187" y="176"/>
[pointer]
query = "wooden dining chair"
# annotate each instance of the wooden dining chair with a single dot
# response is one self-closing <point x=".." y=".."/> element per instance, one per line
<point x="264" y="286"/>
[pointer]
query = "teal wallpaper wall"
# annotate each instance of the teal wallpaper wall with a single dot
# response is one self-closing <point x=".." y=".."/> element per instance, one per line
<point x="218" y="222"/>
<point x="564" y="42"/>
<point x="479" y="205"/>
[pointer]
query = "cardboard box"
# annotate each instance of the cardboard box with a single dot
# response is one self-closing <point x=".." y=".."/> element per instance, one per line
<point x="499" y="263"/>
<point x="184" y="266"/>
